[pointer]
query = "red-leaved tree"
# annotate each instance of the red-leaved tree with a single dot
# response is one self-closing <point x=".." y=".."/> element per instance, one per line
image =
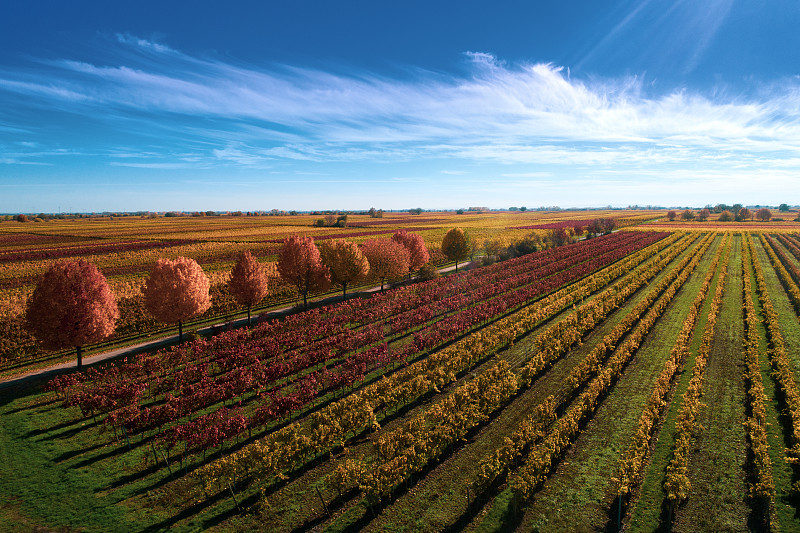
<point x="248" y="282"/>
<point x="415" y="244"/>
<point x="177" y="291"/>
<point x="388" y="259"/>
<point x="346" y="262"/>
<point x="300" y="264"/>
<point x="71" y="306"/>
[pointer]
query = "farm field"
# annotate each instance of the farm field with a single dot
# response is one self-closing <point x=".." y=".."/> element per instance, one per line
<point x="645" y="379"/>
<point x="126" y="248"/>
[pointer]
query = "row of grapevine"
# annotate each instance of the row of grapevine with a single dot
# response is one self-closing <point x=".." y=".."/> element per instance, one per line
<point x="783" y="372"/>
<point x="788" y="273"/>
<point x="327" y="428"/>
<point x="202" y="389"/>
<point x="588" y="315"/>
<point x="448" y="294"/>
<point x="630" y="465"/>
<point x="532" y="429"/>
<point x="677" y="484"/>
<point x="791" y="243"/>
<point x="72" y="250"/>
<point x="124" y="261"/>
<point x="763" y="487"/>
<point x="497" y="464"/>
<point x="543" y="455"/>
<point x="427" y="435"/>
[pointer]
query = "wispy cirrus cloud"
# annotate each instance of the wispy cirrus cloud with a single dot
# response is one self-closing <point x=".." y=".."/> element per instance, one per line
<point x="144" y="44"/>
<point x="495" y="112"/>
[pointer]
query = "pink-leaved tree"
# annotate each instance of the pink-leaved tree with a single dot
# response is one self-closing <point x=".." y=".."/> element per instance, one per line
<point x="248" y="283"/>
<point x="300" y="264"/>
<point x="415" y="244"/>
<point x="177" y="291"/>
<point x="71" y="306"/>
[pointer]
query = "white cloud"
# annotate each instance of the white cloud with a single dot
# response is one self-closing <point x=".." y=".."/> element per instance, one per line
<point x="18" y="161"/>
<point x="144" y="44"/>
<point x="43" y="90"/>
<point x="497" y="113"/>
<point x="237" y="155"/>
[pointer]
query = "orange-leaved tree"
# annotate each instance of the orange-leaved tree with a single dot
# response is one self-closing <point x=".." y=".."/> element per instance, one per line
<point x="248" y="282"/>
<point x="177" y="291"/>
<point x="763" y="214"/>
<point x="415" y="244"/>
<point x="743" y="215"/>
<point x="300" y="263"/>
<point x="455" y="245"/>
<point x="346" y="262"/>
<point x="71" y="306"/>
<point x="388" y="259"/>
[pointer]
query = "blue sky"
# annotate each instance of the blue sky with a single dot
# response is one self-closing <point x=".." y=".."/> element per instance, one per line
<point x="111" y="106"/>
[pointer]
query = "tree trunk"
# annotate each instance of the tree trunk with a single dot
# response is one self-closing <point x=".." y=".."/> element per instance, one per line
<point x="80" y="357"/>
<point x="344" y="291"/>
<point x="248" y="315"/>
<point x="180" y="331"/>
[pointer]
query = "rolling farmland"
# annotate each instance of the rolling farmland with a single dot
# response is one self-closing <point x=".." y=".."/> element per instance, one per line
<point x="644" y="379"/>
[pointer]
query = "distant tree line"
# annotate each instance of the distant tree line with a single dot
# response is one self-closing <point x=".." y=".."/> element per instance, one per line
<point x="729" y="213"/>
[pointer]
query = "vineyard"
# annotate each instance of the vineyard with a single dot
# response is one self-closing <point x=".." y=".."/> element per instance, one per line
<point x="126" y="248"/>
<point x="642" y="380"/>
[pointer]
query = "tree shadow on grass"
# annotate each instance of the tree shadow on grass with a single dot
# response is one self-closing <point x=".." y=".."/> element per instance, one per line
<point x="178" y="471"/>
<point x="333" y="505"/>
<point x="187" y="513"/>
<point x="13" y="393"/>
<point x="122" y="448"/>
<point x="240" y="506"/>
<point x="66" y="456"/>
<point x="68" y="433"/>
<point x="63" y="425"/>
